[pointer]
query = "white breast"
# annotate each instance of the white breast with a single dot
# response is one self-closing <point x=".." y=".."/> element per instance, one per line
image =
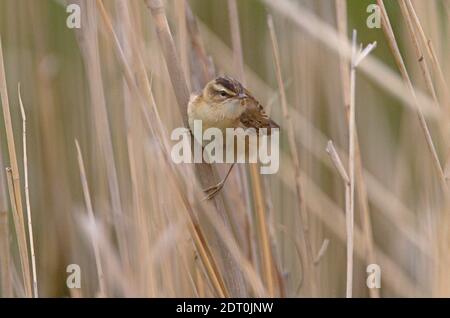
<point x="221" y="116"/>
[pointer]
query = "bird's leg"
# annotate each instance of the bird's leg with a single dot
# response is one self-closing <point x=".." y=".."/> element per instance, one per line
<point x="212" y="191"/>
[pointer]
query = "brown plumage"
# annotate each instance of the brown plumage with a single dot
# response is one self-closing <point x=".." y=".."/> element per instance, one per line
<point x="225" y="103"/>
<point x="255" y="117"/>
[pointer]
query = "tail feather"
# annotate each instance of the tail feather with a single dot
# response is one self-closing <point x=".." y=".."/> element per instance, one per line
<point x="272" y="124"/>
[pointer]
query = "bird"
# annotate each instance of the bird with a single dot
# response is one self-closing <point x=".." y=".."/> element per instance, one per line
<point x="225" y="103"/>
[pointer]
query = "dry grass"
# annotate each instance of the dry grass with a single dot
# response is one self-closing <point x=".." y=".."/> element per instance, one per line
<point x="304" y="226"/>
<point x="14" y="181"/>
<point x="27" y="195"/>
<point x="387" y="28"/>
<point x="5" y="249"/>
<point x="135" y="222"/>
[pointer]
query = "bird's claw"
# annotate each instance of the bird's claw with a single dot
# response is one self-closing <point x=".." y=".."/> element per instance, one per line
<point x="212" y="191"/>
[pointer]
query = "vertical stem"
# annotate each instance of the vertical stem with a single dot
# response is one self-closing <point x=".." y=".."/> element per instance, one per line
<point x="364" y="211"/>
<point x="5" y="256"/>
<point x="92" y="64"/>
<point x="350" y="197"/>
<point x="255" y="178"/>
<point x="27" y="194"/>
<point x="16" y="195"/>
<point x="238" y="66"/>
<point x="236" y="40"/>
<point x="88" y="202"/>
<point x="419" y="54"/>
<point x="430" y="50"/>
<point x="295" y="161"/>
<point x="206" y="173"/>
<point x="199" y="53"/>
<point x="180" y="9"/>
<point x="389" y="33"/>
<point x="5" y="251"/>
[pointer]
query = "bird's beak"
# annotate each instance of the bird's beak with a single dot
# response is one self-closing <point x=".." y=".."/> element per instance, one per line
<point x="242" y="96"/>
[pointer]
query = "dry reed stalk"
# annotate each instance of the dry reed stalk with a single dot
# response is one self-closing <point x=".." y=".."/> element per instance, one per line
<point x="143" y="275"/>
<point x="304" y="227"/>
<point x="389" y="33"/>
<point x="207" y="68"/>
<point x="90" y="210"/>
<point x="139" y="207"/>
<point x="350" y="187"/>
<point x="430" y="50"/>
<point x="16" y="195"/>
<point x="202" y="246"/>
<point x="245" y="174"/>
<point x="411" y="20"/>
<point x="150" y="114"/>
<point x="323" y="249"/>
<point x="447" y="7"/>
<point x="27" y="193"/>
<point x="266" y="252"/>
<point x="310" y="23"/>
<point x="88" y="42"/>
<point x="180" y="11"/>
<point x="251" y="275"/>
<point x="419" y="54"/>
<point x="134" y="75"/>
<point x="388" y="204"/>
<point x="332" y="216"/>
<point x="52" y="198"/>
<point x="341" y="17"/>
<point x="189" y="266"/>
<point x="5" y="252"/>
<point x="372" y="67"/>
<point x="236" y="40"/>
<point x="177" y="77"/>
<point x="349" y="179"/>
<point x="152" y="117"/>
<point x="337" y="162"/>
<point x="357" y="57"/>
<point x="200" y="283"/>
<point x="208" y="262"/>
<point x="391" y="207"/>
<point x="304" y="127"/>
<point x="145" y="100"/>
<point x="113" y="268"/>
<point x="200" y="242"/>
<point x="255" y="178"/>
<point x="445" y="98"/>
<point x="341" y="23"/>
<point x="395" y="211"/>
<point x="348" y="210"/>
<point x="205" y="172"/>
<point x="5" y="256"/>
<point x="19" y="230"/>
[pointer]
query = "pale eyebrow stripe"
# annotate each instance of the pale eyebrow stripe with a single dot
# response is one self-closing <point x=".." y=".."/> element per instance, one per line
<point x="222" y="88"/>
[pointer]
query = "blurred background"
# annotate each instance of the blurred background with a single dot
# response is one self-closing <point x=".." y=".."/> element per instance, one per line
<point x="134" y="222"/>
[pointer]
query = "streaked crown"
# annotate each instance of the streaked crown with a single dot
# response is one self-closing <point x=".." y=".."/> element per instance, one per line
<point x="223" y="88"/>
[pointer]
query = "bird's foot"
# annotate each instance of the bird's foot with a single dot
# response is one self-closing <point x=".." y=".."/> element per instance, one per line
<point x="212" y="191"/>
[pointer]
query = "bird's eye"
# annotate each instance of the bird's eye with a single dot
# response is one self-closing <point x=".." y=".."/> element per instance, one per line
<point x="223" y="94"/>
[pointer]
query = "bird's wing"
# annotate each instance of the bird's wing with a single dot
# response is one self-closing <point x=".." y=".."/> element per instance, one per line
<point x="255" y="117"/>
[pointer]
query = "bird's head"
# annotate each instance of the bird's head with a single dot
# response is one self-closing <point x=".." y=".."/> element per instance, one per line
<point x="224" y="90"/>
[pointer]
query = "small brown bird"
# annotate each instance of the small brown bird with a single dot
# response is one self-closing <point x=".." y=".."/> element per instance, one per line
<point x="225" y="103"/>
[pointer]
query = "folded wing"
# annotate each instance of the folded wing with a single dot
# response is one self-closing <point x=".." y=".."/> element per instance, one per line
<point x="255" y="117"/>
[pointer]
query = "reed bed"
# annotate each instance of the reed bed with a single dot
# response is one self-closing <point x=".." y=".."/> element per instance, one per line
<point x="87" y="178"/>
